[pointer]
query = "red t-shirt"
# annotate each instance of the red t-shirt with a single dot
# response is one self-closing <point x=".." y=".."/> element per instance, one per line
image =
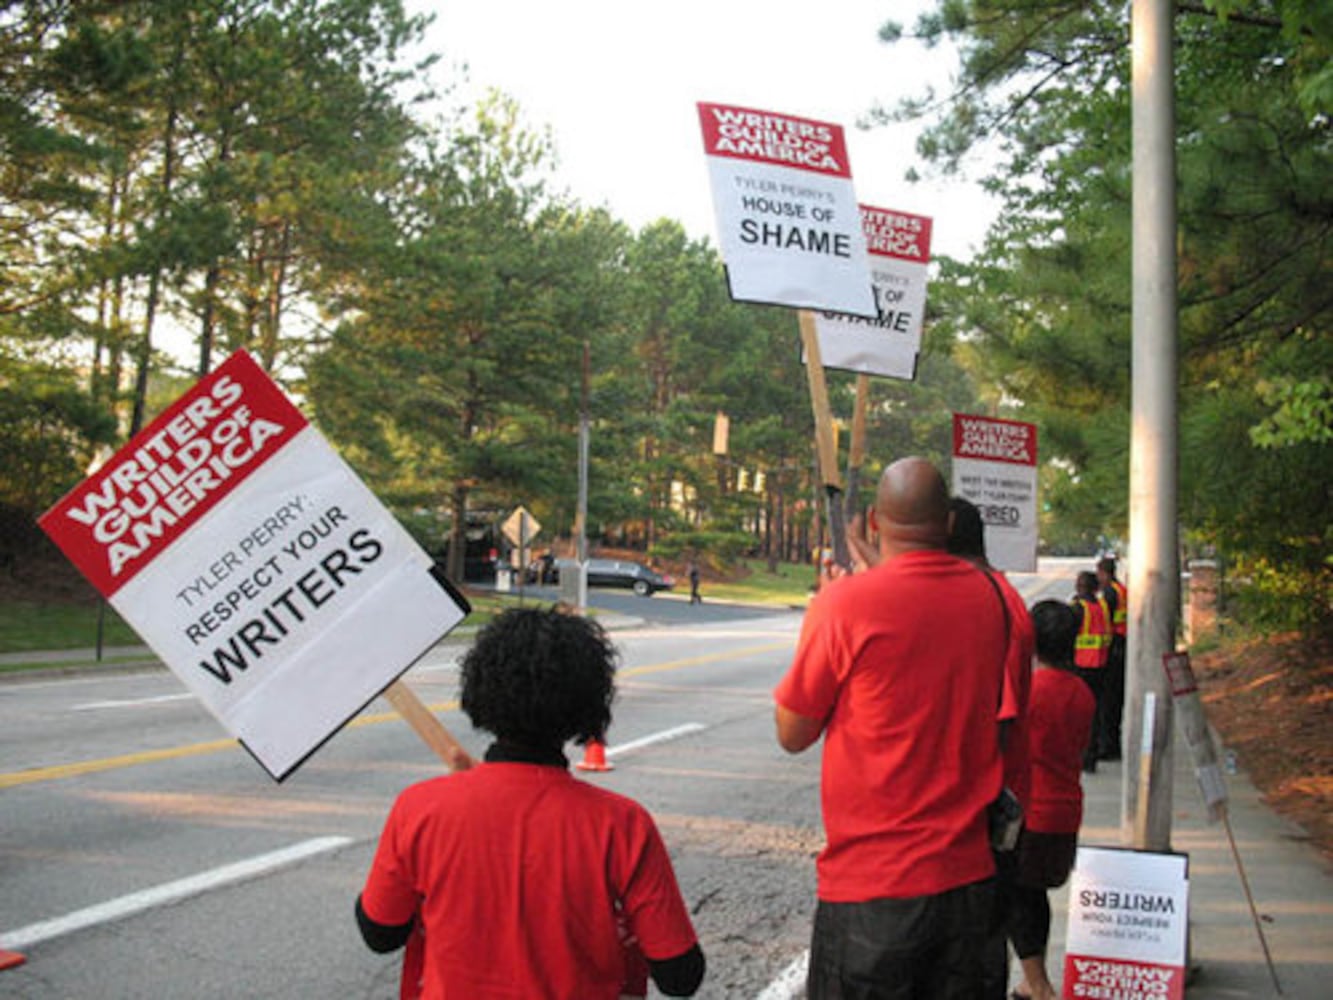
<point x="1060" y="715"/>
<point x="517" y="873"/>
<point x="1017" y="686"/>
<point x="904" y="664"/>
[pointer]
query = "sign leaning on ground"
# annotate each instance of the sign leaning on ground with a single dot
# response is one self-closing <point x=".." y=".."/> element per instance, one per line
<point x="787" y="218"/>
<point x="1193" y="723"/>
<point x="1128" y="913"/>
<point x="888" y="345"/>
<point x="256" y="564"/>
<point x="995" y="466"/>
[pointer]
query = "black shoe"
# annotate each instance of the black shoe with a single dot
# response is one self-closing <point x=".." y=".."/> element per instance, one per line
<point x="1109" y="755"/>
<point x="1090" y="767"/>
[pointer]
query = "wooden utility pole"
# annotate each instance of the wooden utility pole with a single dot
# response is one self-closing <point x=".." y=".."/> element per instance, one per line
<point x="1154" y="572"/>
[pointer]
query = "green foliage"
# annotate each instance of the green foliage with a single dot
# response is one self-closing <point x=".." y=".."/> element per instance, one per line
<point x="1266" y="597"/>
<point x="1045" y="313"/>
<point x="711" y="548"/>
<point x="49" y="431"/>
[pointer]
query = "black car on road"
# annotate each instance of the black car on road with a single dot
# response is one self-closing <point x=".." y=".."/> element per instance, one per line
<point x="610" y="573"/>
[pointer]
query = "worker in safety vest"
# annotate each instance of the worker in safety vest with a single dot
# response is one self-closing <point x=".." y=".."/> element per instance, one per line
<point x="1117" y="602"/>
<point x="1092" y="650"/>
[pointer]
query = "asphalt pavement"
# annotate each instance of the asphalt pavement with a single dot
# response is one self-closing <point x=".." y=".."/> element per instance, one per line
<point x="1280" y="947"/>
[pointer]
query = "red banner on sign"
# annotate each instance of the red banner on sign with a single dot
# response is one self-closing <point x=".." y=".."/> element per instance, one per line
<point x="994" y="440"/>
<point x="172" y="473"/>
<point x="747" y="134"/>
<point x="896" y="234"/>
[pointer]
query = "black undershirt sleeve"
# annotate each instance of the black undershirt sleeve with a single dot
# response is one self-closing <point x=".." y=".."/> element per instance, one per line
<point x="381" y="938"/>
<point x="679" y="976"/>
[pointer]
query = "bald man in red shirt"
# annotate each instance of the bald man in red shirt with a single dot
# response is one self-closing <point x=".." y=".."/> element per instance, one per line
<point x="900" y="669"/>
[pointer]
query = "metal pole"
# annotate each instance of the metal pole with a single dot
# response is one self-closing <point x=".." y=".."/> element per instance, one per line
<point x="581" y="532"/>
<point x="1154" y="576"/>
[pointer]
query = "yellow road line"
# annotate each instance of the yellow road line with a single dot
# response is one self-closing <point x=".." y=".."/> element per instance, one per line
<point x="58" y="771"/>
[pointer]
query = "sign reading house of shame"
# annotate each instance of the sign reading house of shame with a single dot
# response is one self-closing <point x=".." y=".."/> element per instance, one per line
<point x="256" y="564"/>
<point x="1128" y="914"/>
<point x="787" y="219"/>
<point x="995" y="466"/>
<point x="899" y="248"/>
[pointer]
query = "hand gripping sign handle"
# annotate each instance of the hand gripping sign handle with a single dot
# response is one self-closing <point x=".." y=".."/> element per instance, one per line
<point x="427" y="726"/>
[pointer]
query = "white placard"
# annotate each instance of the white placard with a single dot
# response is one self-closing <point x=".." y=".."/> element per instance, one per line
<point x="888" y="345"/>
<point x="788" y="222"/>
<point x="995" y="466"/>
<point x="256" y="564"/>
<point x="1128" y="915"/>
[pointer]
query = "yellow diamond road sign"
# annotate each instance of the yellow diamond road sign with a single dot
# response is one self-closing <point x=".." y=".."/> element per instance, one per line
<point x="520" y="527"/>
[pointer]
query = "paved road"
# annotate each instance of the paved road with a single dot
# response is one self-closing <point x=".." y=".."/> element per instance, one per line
<point x="144" y="855"/>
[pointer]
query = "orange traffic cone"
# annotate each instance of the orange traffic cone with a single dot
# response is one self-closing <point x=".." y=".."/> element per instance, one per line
<point x="594" y="757"/>
<point x="10" y="959"/>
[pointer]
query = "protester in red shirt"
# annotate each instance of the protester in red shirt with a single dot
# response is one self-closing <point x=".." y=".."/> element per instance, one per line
<point x="900" y="668"/>
<point x="967" y="540"/>
<point x="525" y="880"/>
<point x="1060" y="718"/>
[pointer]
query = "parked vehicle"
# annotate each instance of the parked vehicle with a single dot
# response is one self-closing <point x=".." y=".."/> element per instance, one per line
<point x="614" y="573"/>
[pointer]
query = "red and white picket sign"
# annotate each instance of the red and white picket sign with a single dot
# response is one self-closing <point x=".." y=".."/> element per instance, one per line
<point x="995" y="466"/>
<point x="788" y="223"/>
<point x="256" y="564"/>
<point x="887" y="345"/>
<point x="1128" y="919"/>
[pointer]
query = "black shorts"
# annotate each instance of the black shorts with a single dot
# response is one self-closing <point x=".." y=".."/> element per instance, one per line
<point x="886" y="949"/>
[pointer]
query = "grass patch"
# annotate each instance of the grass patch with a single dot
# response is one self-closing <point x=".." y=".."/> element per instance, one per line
<point x="788" y="587"/>
<point x="26" y="626"/>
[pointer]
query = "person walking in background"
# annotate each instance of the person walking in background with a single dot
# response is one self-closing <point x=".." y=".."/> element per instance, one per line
<point x="525" y="880"/>
<point x="900" y="668"/>
<point x="1115" y="595"/>
<point x="1060" y="720"/>
<point x="1092" y="647"/>
<point x="694" y="582"/>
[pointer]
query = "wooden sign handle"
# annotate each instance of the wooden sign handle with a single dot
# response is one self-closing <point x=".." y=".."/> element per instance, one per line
<point x="427" y="726"/>
<point x="826" y="443"/>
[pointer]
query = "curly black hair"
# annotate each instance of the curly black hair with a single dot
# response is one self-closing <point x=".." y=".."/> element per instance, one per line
<point x="540" y="677"/>
<point x="1056" y="625"/>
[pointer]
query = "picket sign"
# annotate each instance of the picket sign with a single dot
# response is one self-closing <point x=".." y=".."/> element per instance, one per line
<point x="256" y="564"/>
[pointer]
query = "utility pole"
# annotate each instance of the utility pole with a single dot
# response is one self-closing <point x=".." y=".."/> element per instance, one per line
<point x="581" y="527"/>
<point x="1154" y="572"/>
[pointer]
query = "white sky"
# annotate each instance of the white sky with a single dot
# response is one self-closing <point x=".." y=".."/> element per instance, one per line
<point x="616" y="82"/>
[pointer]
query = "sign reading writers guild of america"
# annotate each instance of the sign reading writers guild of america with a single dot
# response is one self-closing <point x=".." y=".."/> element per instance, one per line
<point x="256" y="564"/>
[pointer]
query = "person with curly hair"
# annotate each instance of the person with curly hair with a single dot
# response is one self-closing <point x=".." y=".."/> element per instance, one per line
<point x="523" y="879"/>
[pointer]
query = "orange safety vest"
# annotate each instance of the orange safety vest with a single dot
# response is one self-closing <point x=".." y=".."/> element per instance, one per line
<point x="1092" y="646"/>
<point x="1120" y="617"/>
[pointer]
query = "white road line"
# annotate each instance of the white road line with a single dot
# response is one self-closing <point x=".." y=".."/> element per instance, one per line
<point x="666" y="734"/>
<point x="790" y="982"/>
<point x="169" y="892"/>
<point x="131" y="702"/>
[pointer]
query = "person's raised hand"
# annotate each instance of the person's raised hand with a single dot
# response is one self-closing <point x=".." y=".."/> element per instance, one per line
<point x="864" y="552"/>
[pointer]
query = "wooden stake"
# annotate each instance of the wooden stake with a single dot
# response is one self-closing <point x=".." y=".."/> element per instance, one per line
<point x="826" y="444"/>
<point x="427" y="726"/>
<point x="856" y="453"/>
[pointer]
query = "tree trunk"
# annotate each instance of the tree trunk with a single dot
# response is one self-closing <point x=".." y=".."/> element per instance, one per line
<point x="453" y="567"/>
